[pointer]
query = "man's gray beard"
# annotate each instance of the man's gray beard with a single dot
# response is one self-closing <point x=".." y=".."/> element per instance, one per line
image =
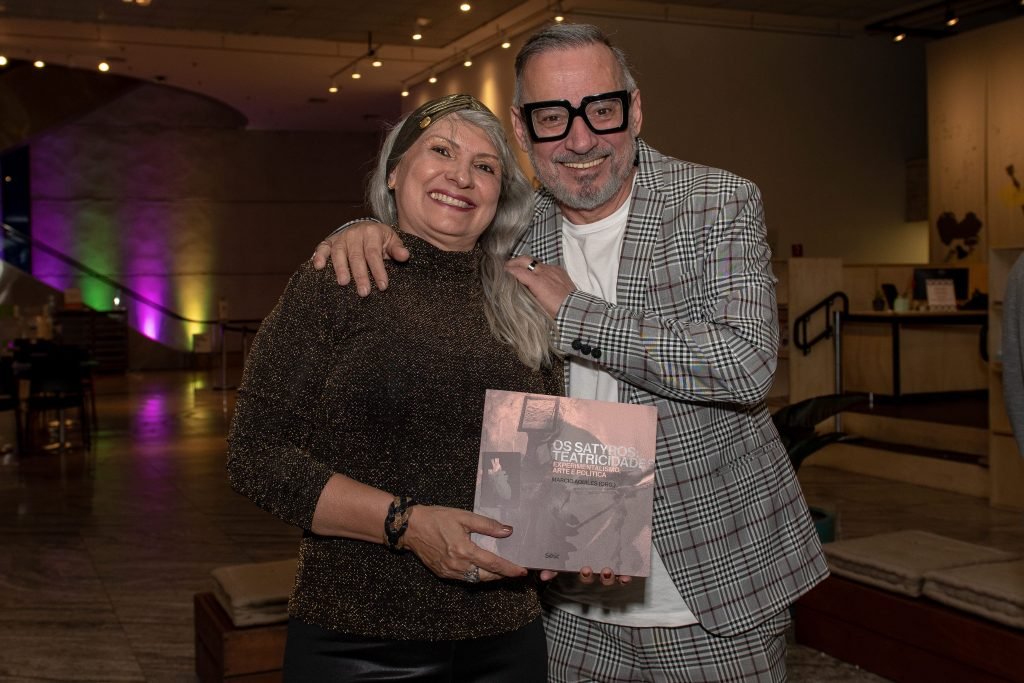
<point x="589" y="198"/>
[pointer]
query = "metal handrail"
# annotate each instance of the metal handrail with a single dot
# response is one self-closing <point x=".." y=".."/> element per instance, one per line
<point x="245" y="326"/>
<point x="800" y="339"/>
<point x="125" y="290"/>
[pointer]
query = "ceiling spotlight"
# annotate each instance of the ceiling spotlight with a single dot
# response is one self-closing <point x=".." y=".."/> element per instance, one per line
<point x="421" y="23"/>
<point x="356" y="75"/>
<point x="103" y="66"/>
<point x="899" y="37"/>
<point x="465" y="7"/>
<point x="371" y="51"/>
<point x="432" y="79"/>
<point x="468" y="63"/>
<point x="505" y="44"/>
<point x="559" y="18"/>
<point x="405" y="93"/>
<point x="951" y="18"/>
<point x="333" y="88"/>
<point x="3" y="60"/>
<point x="39" y="64"/>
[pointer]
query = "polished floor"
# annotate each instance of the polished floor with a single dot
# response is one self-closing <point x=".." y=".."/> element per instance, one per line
<point x="101" y="552"/>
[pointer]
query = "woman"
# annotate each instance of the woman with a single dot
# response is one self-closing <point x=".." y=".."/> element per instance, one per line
<point x="354" y="413"/>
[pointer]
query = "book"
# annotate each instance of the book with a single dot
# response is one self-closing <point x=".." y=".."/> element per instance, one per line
<point x="573" y="477"/>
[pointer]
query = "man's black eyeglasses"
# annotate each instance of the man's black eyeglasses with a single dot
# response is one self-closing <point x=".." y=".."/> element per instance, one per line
<point x="551" y="120"/>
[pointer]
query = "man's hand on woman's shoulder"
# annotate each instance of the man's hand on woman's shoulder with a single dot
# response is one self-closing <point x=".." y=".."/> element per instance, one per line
<point x="359" y="249"/>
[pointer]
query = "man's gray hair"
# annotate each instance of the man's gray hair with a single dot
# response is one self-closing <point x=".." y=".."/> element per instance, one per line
<point x="567" y="37"/>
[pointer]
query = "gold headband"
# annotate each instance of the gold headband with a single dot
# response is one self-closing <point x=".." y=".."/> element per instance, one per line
<point x="423" y="117"/>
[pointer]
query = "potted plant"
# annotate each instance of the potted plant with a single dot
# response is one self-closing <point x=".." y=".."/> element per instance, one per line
<point x="796" y="426"/>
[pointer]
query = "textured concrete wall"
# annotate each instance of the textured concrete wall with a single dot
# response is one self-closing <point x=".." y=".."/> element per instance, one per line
<point x="162" y="191"/>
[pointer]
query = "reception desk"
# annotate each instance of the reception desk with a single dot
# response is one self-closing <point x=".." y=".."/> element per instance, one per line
<point x="913" y="352"/>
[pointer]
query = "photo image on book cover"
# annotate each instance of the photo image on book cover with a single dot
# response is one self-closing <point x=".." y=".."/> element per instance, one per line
<point x="573" y="477"/>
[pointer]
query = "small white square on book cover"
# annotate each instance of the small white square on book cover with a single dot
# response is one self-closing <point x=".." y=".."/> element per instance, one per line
<point x="573" y="477"/>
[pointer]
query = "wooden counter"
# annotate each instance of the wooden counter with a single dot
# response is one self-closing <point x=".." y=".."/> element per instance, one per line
<point x="913" y="352"/>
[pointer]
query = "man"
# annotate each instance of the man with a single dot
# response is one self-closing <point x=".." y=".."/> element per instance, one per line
<point x="1013" y="350"/>
<point x="657" y="274"/>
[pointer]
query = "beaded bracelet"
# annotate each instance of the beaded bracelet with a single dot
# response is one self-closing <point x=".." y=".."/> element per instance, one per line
<point x="397" y="521"/>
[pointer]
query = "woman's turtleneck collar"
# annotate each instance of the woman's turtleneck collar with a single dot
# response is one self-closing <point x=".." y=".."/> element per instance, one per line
<point x="423" y="254"/>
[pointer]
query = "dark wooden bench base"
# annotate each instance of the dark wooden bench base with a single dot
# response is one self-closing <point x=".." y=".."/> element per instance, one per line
<point x="906" y="639"/>
<point x="224" y="652"/>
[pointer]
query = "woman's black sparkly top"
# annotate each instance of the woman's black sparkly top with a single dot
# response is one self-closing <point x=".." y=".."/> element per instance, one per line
<point x="388" y="390"/>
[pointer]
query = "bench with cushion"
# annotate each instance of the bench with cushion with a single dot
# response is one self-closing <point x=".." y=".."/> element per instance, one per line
<point x="240" y="628"/>
<point x="913" y="606"/>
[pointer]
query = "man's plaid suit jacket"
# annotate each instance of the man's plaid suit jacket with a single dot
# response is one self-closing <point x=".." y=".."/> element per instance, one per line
<point x="694" y="332"/>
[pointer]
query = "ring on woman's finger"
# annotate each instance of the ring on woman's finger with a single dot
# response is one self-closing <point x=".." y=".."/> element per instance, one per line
<point x="532" y="265"/>
<point x="472" y="574"/>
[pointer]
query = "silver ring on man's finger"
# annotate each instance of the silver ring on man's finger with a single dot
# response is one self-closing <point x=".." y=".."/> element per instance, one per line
<point x="472" y="574"/>
<point x="532" y="265"/>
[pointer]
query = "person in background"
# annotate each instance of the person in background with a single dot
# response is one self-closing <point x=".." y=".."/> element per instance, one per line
<point x="657" y="274"/>
<point x="374" y="453"/>
<point x="1013" y="350"/>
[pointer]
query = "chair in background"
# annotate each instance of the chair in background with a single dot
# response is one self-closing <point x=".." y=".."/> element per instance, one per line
<point x="10" y="401"/>
<point x="59" y="379"/>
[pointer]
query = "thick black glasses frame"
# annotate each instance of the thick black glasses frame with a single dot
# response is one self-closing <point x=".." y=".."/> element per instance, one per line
<point x="527" y="110"/>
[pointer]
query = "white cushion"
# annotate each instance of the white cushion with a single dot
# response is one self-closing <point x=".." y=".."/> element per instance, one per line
<point x="898" y="561"/>
<point x="993" y="590"/>
<point x="255" y="593"/>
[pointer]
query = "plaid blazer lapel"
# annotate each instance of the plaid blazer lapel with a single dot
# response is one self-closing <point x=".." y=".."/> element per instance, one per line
<point x="545" y="241"/>
<point x="546" y="231"/>
<point x="642" y="230"/>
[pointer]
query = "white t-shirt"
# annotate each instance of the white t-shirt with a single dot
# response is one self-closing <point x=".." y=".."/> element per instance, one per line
<point x="592" y="255"/>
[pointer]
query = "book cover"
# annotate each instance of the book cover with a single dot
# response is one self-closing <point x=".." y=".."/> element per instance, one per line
<point x="574" y="478"/>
